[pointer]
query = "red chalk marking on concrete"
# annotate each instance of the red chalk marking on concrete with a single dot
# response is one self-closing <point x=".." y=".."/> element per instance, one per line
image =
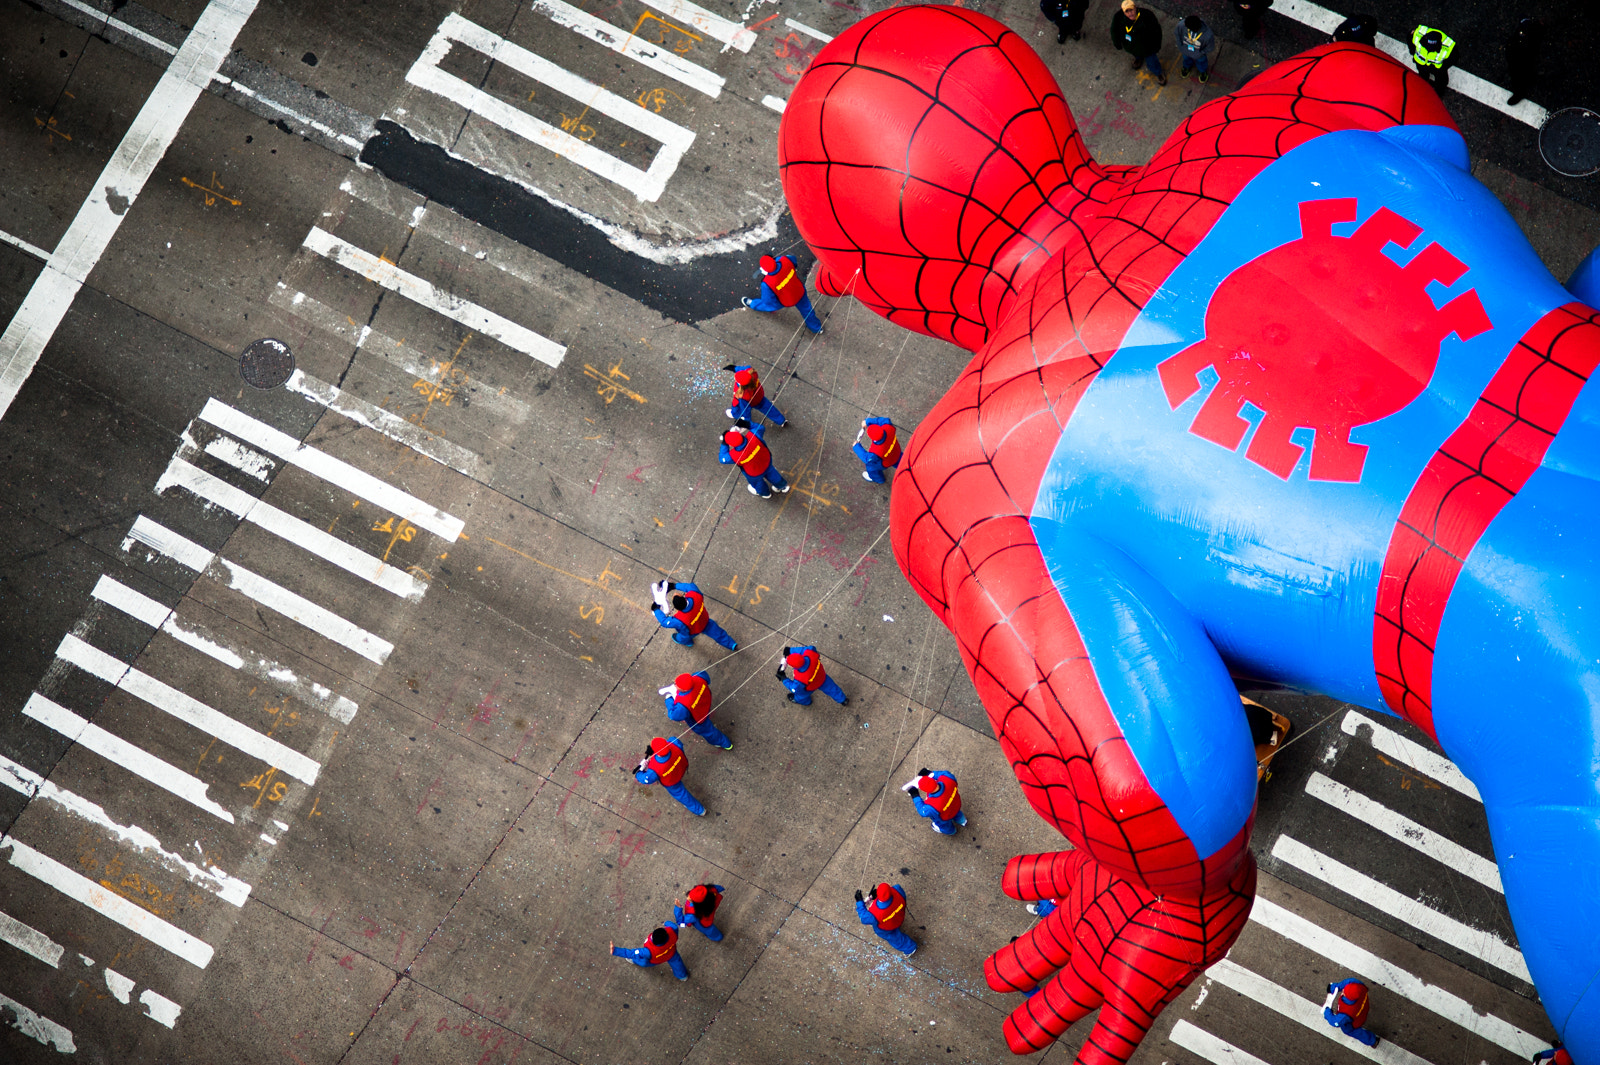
<point x="428" y="794"/>
<point x="401" y="946"/>
<point x="448" y="700"/>
<point x="492" y="1049"/>
<point x="583" y="767"/>
<point x="637" y="470"/>
<point x="525" y="737"/>
<point x="348" y="962"/>
<point x="604" y="462"/>
<point x="369" y="932"/>
<point x="637" y="840"/>
<point x="697" y="486"/>
<point x="731" y="513"/>
<point x="487" y="706"/>
<point x="317" y="935"/>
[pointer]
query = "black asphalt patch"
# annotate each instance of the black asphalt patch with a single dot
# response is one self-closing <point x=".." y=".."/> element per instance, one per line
<point x="688" y="292"/>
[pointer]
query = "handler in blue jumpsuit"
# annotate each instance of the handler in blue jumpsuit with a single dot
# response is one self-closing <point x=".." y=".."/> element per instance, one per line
<point x="689" y="700"/>
<point x="881" y="450"/>
<point x="934" y="794"/>
<point x="886" y="913"/>
<point x="809" y="676"/>
<point x="660" y="948"/>
<point x="1346" y="1010"/>
<point x="688" y="615"/>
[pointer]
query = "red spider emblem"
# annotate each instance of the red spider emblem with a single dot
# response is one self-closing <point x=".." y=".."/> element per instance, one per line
<point x="1325" y="333"/>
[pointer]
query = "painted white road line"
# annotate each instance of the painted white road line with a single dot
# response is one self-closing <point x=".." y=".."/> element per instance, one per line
<point x="1413" y="756"/>
<point x="731" y="34"/>
<point x="241" y="457"/>
<point x="23" y="246"/>
<point x="1348" y="957"/>
<point x="138" y="605"/>
<point x="24" y="780"/>
<point x="185" y="708"/>
<point x="1468" y="84"/>
<point x="335" y="471"/>
<point x="159" y="1008"/>
<point x="1478" y="943"/>
<point x="116" y="189"/>
<point x="34" y="1026"/>
<point x="619" y="40"/>
<point x="183" y="474"/>
<point x="1400" y="827"/>
<point x="774" y="103"/>
<point x="490" y="398"/>
<point x="419" y="291"/>
<point x="275" y="597"/>
<point x="807" y="30"/>
<point x="1199" y="1041"/>
<point x="1304" y="1012"/>
<point x="387" y="422"/>
<point x="30" y="940"/>
<point x="646" y="185"/>
<point x="114" y="748"/>
<point x="135" y="919"/>
<point x="121" y="987"/>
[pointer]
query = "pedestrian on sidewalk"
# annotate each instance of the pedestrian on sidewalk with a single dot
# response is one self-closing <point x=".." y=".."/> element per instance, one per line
<point x="1250" y="12"/>
<point x="1068" y="17"/>
<point x="660" y="947"/>
<point x="748" y="395"/>
<point x="1136" y="31"/>
<point x="1358" y="29"/>
<point x="782" y="286"/>
<point x="882" y="449"/>
<point x="689" y="700"/>
<point x="700" y="910"/>
<point x="745" y="446"/>
<point x="1197" y="47"/>
<point x="688" y="615"/>
<point x="1522" y="56"/>
<point x="664" y="763"/>
<point x="886" y="913"/>
<point x="1346" y="1010"/>
<point x="934" y="794"/>
<point x="1430" y="54"/>
<point x="809" y="676"/>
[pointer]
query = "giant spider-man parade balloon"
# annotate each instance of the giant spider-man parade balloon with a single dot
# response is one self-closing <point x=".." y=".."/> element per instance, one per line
<point x="1294" y="402"/>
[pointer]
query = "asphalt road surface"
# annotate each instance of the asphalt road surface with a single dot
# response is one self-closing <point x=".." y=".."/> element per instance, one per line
<point x="320" y="699"/>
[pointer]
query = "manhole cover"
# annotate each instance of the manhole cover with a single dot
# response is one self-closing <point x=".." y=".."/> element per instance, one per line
<point x="266" y="363"/>
<point x="1569" y="140"/>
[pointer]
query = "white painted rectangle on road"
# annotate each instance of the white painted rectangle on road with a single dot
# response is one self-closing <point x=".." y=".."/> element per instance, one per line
<point x="654" y="56"/>
<point x="1380" y="972"/>
<point x="186" y="475"/>
<point x="30" y="940"/>
<point x="135" y="919"/>
<point x="114" y="748"/>
<point x="185" y="708"/>
<point x="1480" y="944"/>
<point x="1399" y="827"/>
<point x="335" y="471"/>
<point x="34" y="1026"/>
<point x="115" y="190"/>
<point x="1414" y="756"/>
<point x="1304" y="1012"/>
<point x="422" y="292"/>
<point x="22" y="779"/>
<point x="731" y="34"/>
<point x="140" y="606"/>
<point x="646" y="185"/>
<point x="1218" y="1052"/>
<point x="387" y="422"/>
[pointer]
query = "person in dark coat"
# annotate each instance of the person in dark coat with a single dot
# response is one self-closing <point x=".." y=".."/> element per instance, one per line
<point x="1068" y="17"/>
<point x="1250" y="12"/>
<point x="1358" y="29"/>
<point x="1522" y="56"/>
<point x="1135" y="30"/>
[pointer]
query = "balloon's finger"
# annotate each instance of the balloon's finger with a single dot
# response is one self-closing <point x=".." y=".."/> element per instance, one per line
<point x="1031" y="957"/>
<point x="1041" y="876"/>
<point x="1045" y="1017"/>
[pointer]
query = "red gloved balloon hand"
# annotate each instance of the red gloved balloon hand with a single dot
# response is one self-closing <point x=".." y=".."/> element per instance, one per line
<point x="1111" y="945"/>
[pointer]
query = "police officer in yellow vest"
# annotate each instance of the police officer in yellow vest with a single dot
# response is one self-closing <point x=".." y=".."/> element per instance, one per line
<point x="1430" y="51"/>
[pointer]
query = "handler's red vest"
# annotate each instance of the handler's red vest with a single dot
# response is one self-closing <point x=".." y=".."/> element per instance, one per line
<point x="785" y="283"/>
<point x="694" y="619"/>
<point x="751" y="393"/>
<point x="946" y="799"/>
<point x="1357" y="1010"/>
<point x="666" y="950"/>
<point x="807" y="666"/>
<point x="887" y="447"/>
<point x="751" y="454"/>
<point x="888" y="914"/>
<point x="714" y="899"/>
<point x="695" y="694"/>
<point x="668" y="761"/>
